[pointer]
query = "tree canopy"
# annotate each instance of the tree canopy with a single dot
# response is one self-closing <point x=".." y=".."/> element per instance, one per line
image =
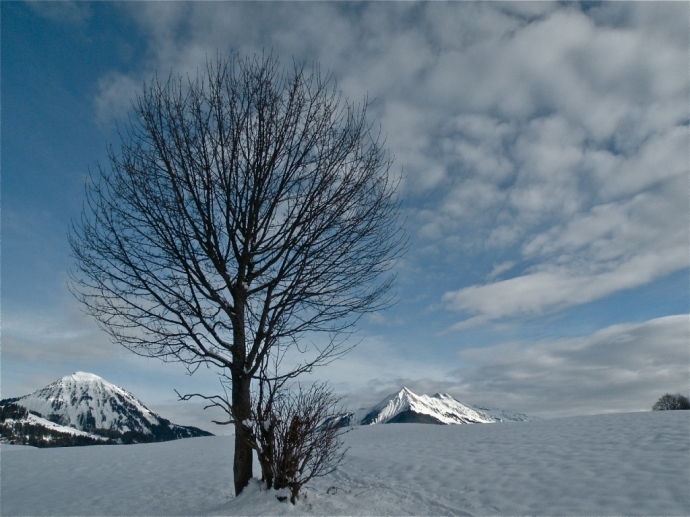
<point x="242" y="210"/>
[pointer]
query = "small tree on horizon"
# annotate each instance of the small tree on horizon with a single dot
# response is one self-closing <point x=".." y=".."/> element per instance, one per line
<point x="243" y="210"/>
<point x="671" y="402"/>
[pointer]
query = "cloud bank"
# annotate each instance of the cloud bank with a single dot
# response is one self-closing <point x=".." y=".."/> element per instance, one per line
<point x="619" y="368"/>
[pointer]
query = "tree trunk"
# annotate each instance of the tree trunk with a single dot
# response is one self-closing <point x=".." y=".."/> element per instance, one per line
<point x="242" y="465"/>
<point x="241" y="398"/>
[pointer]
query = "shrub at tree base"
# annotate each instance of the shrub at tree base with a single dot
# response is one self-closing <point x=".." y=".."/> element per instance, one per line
<point x="295" y="436"/>
<point x="296" y="433"/>
<point x="671" y="402"/>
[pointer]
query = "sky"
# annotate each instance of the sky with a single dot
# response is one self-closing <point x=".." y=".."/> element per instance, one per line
<point x="544" y="149"/>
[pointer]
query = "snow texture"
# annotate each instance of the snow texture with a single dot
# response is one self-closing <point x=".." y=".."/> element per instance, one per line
<point x="615" y="464"/>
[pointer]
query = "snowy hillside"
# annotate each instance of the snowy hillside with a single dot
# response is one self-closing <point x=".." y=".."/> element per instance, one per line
<point x="18" y="426"/>
<point x="406" y="407"/>
<point x="89" y="404"/>
<point x="616" y="464"/>
<point x="501" y="415"/>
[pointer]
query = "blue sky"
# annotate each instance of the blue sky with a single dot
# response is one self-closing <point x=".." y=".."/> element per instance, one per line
<point x="544" y="149"/>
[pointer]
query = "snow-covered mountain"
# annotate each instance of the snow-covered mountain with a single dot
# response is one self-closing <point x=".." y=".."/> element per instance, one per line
<point x="407" y="407"/>
<point x="92" y="406"/>
<point x="501" y="415"/>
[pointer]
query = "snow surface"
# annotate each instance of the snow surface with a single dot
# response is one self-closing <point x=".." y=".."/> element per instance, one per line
<point x="86" y="377"/>
<point x="620" y="464"/>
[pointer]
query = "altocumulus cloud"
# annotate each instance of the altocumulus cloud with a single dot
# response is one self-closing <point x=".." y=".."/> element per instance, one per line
<point x="581" y="172"/>
<point x="552" y="136"/>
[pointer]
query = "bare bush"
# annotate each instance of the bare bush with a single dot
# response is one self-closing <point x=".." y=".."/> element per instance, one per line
<point x="296" y="438"/>
<point x="295" y="432"/>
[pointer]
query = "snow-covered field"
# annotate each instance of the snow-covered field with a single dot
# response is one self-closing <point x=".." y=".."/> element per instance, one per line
<point x="620" y="464"/>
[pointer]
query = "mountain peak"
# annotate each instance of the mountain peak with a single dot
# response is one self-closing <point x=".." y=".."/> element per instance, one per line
<point x="86" y="402"/>
<point x="84" y="377"/>
<point x="404" y="406"/>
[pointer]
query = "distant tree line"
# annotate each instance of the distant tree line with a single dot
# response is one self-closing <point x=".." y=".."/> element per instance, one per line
<point x="17" y="432"/>
<point x="162" y="432"/>
<point x="12" y="411"/>
<point x="21" y="433"/>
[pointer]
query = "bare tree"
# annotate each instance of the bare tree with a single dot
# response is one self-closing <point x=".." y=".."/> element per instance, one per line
<point x="243" y="209"/>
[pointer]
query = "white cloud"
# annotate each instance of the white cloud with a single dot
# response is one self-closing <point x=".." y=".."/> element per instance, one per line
<point x="116" y="92"/>
<point x="534" y="293"/>
<point x="619" y="368"/>
<point x="194" y="414"/>
<point x="592" y="159"/>
<point x="612" y="247"/>
<point x="624" y="367"/>
<point x="376" y="368"/>
<point x="66" y="335"/>
<point x="500" y="269"/>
